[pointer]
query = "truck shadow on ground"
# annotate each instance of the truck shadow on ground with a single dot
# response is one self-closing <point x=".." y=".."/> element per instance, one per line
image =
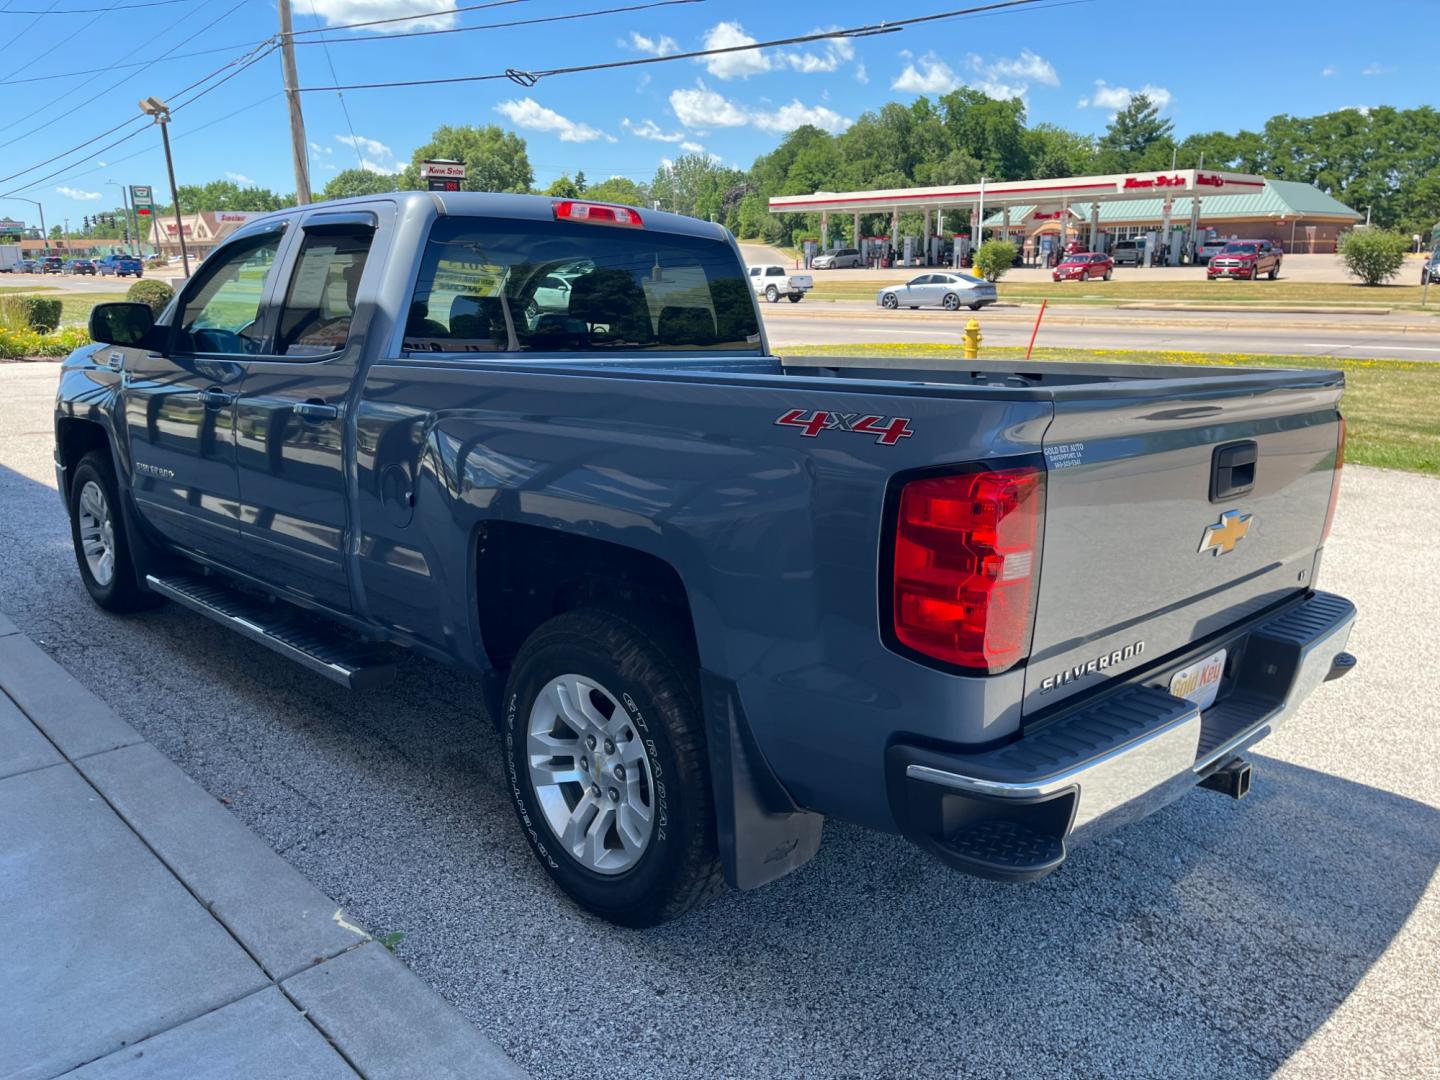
<point x="1211" y="940"/>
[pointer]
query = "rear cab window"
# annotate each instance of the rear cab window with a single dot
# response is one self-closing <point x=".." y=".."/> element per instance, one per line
<point x="496" y="285"/>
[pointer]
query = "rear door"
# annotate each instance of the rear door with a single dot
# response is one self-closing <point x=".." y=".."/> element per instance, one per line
<point x="1156" y="531"/>
<point x="291" y="413"/>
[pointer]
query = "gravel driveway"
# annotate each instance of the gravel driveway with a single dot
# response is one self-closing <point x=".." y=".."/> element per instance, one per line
<point x="1296" y="932"/>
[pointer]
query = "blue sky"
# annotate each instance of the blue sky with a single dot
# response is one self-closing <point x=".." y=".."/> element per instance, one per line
<point x="1074" y="65"/>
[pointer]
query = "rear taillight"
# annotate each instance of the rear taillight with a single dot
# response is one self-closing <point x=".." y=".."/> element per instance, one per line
<point x="597" y="213"/>
<point x="1334" y="484"/>
<point x="967" y="557"/>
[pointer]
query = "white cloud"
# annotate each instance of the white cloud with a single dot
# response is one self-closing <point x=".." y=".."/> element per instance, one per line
<point x="78" y="194"/>
<point x="733" y="65"/>
<point x="648" y="129"/>
<point x="375" y="156"/>
<point x="789" y="117"/>
<point x="703" y="108"/>
<point x="102" y="164"/>
<point x="1116" y="98"/>
<point x="861" y="76"/>
<point x="1025" y="68"/>
<point x="440" y="14"/>
<point x="1376" y="69"/>
<point x="692" y="147"/>
<point x="1363" y="110"/>
<point x="530" y="114"/>
<point x="316" y="148"/>
<point x="240" y="178"/>
<point x="833" y="52"/>
<point x="1329" y="71"/>
<point x="928" y="75"/>
<point x="658" y="46"/>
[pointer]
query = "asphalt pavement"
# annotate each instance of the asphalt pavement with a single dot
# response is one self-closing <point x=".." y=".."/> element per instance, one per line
<point x="1291" y="934"/>
<point x="1408" y="336"/>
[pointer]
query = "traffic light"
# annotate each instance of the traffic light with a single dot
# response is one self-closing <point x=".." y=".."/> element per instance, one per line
<point x="87" y="222"/>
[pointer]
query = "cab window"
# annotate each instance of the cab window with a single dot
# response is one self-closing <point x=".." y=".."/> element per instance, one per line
<point x="499" y="285"/>
<point x="320" y="299"/>
<point x="221" y="314"/>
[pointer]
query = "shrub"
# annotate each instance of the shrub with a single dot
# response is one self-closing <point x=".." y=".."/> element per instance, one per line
<point x="40" y="313"/>
<point x="1373" y="255"/>
<point x="155" y="293"/>
<point x="15" y="343"/>
<point x="994" y="258"/>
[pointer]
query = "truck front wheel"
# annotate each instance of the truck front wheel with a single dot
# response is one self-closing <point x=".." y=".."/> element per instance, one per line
<point x="102" y="550"/>
<point x="606" y="765"/>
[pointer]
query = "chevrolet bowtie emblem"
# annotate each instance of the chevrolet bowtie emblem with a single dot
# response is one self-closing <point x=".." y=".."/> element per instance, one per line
<point x="1223" y="535"/>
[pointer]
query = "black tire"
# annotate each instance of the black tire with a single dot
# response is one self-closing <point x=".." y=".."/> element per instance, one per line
<point x="772" y="294"/>
<point x="1274" y="271"/>
<point x="975" y="307"/>
<point x="122" y="593"/>
<point x="1108" y="273"/>
<point x="951" y="302"/>
<point x="889" y="302"/>
<point x="655" y="683"/>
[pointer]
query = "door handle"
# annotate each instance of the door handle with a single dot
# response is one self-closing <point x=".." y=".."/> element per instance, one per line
<point x="314" y="411"/>
<point x="214" y="398"/>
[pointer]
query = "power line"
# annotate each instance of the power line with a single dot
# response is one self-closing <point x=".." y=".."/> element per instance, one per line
<point x="168" y="58"/>
<point x="28" y="26"/>
<point x="89" y="11"/>
<point x="530" y="78"/>
<point x="255" y="55"/>
<point x="345" y="109"/>
<point x="505" y="25"/>
<point x="138" y="131"/>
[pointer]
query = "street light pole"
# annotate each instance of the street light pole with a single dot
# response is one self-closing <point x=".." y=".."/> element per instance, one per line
<point x="132" y="228"/>
<point x="152" y="106"/>
<point x="44" y="236"/>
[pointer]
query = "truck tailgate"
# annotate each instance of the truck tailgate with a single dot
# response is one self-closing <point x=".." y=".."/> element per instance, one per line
<point x="1131" y="568"/>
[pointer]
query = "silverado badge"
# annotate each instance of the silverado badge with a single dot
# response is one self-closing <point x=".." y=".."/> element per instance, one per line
<point x="1223" y="535"/>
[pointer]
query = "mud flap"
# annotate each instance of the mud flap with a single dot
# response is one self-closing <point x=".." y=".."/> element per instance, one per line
<point x="762" y="834"/>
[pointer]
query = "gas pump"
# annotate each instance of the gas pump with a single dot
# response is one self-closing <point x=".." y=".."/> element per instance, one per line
<point x="909" y="250"/>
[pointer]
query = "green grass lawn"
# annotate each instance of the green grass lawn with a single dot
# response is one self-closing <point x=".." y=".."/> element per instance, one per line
<point x="1238" y="293"/>
<point x="75" y="307"/>
<point x="1392" y="406"/>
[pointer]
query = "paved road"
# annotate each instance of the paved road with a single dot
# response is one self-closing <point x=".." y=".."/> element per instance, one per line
<point x="1403" y="337"/>
<point x="1292" y="934"/>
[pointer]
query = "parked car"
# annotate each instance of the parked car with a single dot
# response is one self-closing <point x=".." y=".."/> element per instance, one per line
<point x="28" y="266"/>
<point x="839" y="259"/>
<point x="52" y="264"/>
<point x="1084" y="266"/>
<point x="120" y="266"/>
<point x="1209" y="248"/>
<point x="711" y="598"/>
<point x="1430" y="272"/>
<point x="1247" y="259"/>
<point x="1128" y="253"/>
<point x="80" y="266"/>
<point x="948" y="290"/>
<point x="773" y="281"/>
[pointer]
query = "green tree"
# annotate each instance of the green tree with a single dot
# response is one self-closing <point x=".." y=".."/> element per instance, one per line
<point x="1373" y="255"/>
<point x="227" y="195"/>
<point x="1135" y="130"/>
<point x="349" y="183"/>
<point x="495" y="159"/>
<point x="563" y="188"/>
<point x="994" y="258"/>
<point x="618" y="189"/>
<point x="694" y="184"/>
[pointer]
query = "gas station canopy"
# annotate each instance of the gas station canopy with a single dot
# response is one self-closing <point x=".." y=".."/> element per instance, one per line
<point x="1177" y="183"/>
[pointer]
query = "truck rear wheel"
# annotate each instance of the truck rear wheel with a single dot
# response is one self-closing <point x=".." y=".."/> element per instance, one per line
<point x="102" y="550"/>
<point x="606" y="764"/>
<point x="772" y="294"/>
<point x="795" y="297"/>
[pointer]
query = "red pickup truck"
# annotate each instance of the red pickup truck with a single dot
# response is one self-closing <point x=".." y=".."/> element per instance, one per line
<point x="1245" y="259"/>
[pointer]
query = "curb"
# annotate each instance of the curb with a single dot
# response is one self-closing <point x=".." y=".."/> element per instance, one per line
<point x="295" y="974"/>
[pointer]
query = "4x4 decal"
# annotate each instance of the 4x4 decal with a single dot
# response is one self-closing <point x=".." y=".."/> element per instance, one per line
<point x="888" y="430"/>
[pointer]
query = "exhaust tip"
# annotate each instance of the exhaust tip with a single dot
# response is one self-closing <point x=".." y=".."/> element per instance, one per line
<point x="1231" y="778"/>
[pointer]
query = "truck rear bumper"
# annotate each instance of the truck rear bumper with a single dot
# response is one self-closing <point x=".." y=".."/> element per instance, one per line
<point x="1012" y="813"/>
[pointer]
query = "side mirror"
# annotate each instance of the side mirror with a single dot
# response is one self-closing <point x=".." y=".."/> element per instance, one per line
<point x="121" y="324"/>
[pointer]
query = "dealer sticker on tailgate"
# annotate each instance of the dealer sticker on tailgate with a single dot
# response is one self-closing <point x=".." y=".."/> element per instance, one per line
<point x="1200" y="682"/>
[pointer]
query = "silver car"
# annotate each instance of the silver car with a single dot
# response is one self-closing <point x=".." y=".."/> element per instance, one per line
<point x="950" y="291"/>
<point x="840" y="259"/>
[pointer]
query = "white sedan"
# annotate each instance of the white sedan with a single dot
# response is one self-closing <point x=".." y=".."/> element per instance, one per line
<point x="950" y="291"/>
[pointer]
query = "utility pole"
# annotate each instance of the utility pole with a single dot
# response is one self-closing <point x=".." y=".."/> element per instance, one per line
<point x="152" y="106"/>
<point x="298" y="148"/>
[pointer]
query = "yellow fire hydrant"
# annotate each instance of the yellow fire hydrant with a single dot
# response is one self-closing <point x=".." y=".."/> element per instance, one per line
<point x="972" y="340"/>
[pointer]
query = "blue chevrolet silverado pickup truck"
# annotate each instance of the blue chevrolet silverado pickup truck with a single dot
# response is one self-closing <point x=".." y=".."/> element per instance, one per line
<point x="715" y="596"/>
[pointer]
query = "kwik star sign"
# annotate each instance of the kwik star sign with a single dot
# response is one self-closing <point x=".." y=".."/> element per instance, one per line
<point x="1163" y="181"/>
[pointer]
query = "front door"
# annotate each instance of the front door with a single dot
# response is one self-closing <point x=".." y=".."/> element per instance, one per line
<point x="291" y="413"/>
<point x="179" y="407"/>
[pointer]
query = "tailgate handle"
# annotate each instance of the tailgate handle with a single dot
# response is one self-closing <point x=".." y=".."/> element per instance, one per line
<point x="1232" y="470"/>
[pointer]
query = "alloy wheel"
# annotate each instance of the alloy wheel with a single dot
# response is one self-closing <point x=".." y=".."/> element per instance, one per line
<point x="97" y="533"/>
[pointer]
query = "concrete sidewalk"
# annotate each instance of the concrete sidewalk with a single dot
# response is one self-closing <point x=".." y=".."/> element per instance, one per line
<point x="150" y="934"/>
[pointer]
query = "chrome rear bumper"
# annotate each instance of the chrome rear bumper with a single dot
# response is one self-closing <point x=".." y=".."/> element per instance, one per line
<point x="1011" y="812"/>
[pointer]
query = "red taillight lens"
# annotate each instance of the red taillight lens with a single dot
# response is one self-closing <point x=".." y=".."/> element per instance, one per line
<point x="967" y="557"/>
<point x="597" y="214"/>
<point x="1334" y="484"/>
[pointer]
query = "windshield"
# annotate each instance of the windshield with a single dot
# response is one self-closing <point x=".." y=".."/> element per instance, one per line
<point x="1240" y="249"/>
